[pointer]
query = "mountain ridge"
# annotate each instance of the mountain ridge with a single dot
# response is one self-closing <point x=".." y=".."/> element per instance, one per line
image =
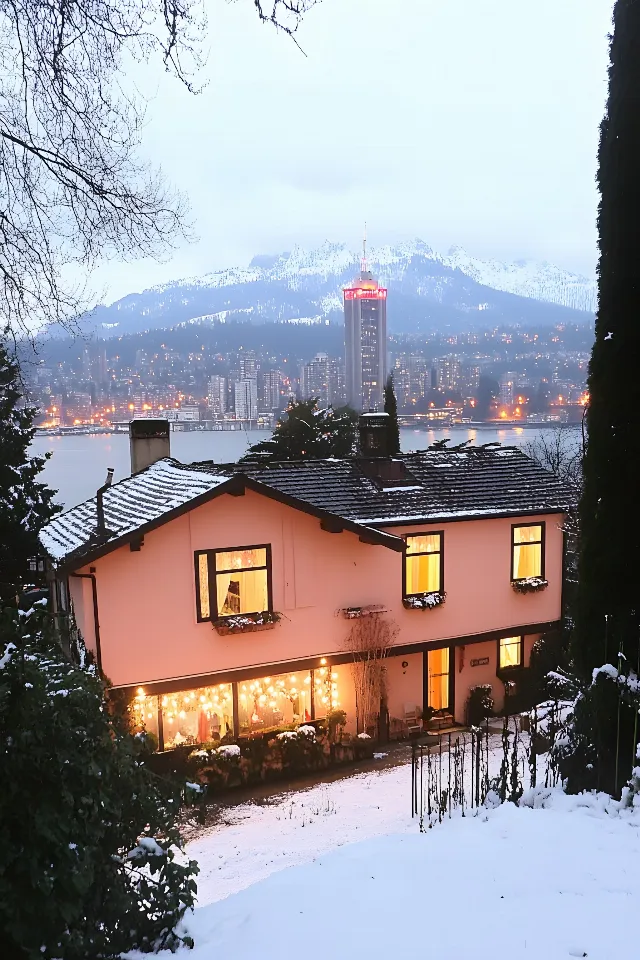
<point x="427" y="290"/>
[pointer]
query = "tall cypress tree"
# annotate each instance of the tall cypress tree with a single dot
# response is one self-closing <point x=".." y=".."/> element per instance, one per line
<point x="25" y="503"/>
<point x="391" y="407"/>
<point x="608" y="602"/>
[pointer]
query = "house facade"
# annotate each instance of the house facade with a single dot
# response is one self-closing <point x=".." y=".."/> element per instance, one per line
<point x="226" y="599"/>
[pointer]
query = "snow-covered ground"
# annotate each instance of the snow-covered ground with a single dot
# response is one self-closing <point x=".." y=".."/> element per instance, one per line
<point x="342" y="871"/>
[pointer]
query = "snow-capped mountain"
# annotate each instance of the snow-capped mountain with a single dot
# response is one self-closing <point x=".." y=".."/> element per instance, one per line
<point x="427" y="290"/>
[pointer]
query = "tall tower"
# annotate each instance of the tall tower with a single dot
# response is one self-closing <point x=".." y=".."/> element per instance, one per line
<point x="365" y="340"/>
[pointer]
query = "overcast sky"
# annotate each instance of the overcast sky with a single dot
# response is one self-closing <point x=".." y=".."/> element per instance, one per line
<point x="457" y="121"/>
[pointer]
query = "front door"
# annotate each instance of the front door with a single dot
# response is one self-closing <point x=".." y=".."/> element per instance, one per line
<point x="438" y="678"/>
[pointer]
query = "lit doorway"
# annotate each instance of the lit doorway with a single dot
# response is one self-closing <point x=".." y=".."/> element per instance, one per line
<point x="438" y="679"/>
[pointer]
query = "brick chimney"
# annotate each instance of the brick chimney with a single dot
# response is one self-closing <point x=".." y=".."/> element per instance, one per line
<point x="149" y="440"/>
<point x="373" y="429"/>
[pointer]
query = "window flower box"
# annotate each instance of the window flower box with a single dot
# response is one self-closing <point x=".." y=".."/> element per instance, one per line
<point x="530" y="584"/>
<point x="424" y="601"/>
<point x="353" y="613"/>
<point x="247" y="622"/>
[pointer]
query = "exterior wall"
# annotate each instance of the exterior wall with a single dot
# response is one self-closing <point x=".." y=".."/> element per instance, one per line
<point x="467" y="676"/>
<point x="81" y="594"/>
<point x="147" y="603"/>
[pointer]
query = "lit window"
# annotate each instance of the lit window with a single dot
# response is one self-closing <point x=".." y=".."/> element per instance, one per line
<point x="201" y="715"/>
<point x="510" y="652"/>
<point x="272" y="702"/>
<point x="232" y="582"/>
<point x="527" y="553"/>
<point x="423" y="564"/>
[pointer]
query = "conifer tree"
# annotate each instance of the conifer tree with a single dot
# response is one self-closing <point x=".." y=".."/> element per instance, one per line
<point x="26" y="503"/>
<point x="87" y="832"/>
<point x="307" y="432"/>
<point x="608" y="602"/>
<point x="391" y="407"/>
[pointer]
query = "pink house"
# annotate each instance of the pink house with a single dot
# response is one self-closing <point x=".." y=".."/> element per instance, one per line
<point x="222" y="598"/>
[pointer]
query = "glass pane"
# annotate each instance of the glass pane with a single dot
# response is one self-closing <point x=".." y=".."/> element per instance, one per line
<point x="203" y="582"/>
<point x="425" y="543"/>
<point x="274" y="701"/>
<point x="143" y="710"/>
<point x="242" y="592"/>
<point x="197" y="716"/>
<point x="527" y="534"/>
<point x="327" y="683"/>
<point x="423" y="573"/>
<point x="241" y="559"/>
<point x="510" y="652"/>
<point x="527" y="560"/>
<point x="438" y="667"/>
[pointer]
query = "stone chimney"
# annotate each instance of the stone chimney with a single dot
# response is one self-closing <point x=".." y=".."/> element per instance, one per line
<point x="149" y="440"/>
<point x="373" y="430"/>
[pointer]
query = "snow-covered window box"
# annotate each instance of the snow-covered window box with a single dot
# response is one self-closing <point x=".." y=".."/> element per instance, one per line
<point x="247" y="623"/>
<point x="353" y="613"/>
<point x="530" y="584"/>
<point x="424" y="601"/>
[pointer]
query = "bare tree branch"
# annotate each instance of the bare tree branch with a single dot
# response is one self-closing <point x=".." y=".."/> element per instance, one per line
<point x="73" y="188"/>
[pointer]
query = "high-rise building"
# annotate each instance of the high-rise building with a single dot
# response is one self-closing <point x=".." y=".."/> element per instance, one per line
<point x="411" y="378"/>
<point x="448" y="373"/>
<point x="217" y="396"/>
<point x="314" y="380"/>
<point x="507" y="388"/>
<point x="248" y="366"/>
<point x="271" y="383"/>
<point x="246" y="399"/>
<point x="365" y="339"/>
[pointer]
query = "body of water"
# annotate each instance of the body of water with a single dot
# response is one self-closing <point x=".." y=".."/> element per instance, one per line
<point x="78" y="465"/>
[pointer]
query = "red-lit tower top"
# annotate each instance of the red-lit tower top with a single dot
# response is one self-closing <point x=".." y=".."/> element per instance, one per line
<point x="366" y="287"/>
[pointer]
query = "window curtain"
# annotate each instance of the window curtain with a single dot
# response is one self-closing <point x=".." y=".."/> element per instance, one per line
<point x="527" y="560"/>
<point x="254" y="596"/>
<point x="423" y="573"/>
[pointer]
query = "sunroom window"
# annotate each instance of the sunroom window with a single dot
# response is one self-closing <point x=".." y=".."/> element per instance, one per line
<point x="423" y="564"/>
<point x="233" y="582"/>
<point x="527" y="551"/>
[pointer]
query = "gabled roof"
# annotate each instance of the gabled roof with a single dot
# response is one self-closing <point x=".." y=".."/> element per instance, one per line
<point x="162" y="492"/>
<point x="351" y="494"/>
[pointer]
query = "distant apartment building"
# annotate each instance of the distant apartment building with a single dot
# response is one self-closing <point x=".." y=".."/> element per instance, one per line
<point x="472" y="377"/>
<point x="411" y="377"/>
<point x="315" y="380"/>
<point x="447" y="373"/>
<point x="270" y="386"/>
<point x="246" y="399"/>
<point x="249" y="366"/>
<point x="217" y="396"/>
<point x="507" y="388"/>
<point x="365" y="337"/>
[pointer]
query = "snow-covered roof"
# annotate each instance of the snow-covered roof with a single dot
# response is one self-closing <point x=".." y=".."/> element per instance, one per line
<point x="359" y="494"/>
<point x="128" y="505"/>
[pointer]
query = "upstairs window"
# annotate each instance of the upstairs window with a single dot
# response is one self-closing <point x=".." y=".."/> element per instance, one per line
<point x="423" y="564"/>
<point x="510" y="652"/>
<point x="230" y="583"/>
<point x="527" y="551"/>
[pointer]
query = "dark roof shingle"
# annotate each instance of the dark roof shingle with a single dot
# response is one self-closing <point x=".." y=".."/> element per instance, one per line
<point x="430" y="485"/>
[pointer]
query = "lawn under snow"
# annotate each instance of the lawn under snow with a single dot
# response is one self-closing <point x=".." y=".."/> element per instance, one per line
<point x="341" y="871"/>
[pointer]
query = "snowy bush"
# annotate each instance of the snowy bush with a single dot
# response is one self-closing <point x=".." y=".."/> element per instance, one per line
<point x="594" y="745"/>
<point x="479" y="704"/>
<point x="87" y="831"/>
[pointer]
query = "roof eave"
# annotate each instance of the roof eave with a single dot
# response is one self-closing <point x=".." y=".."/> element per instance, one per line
<point x="235" y="485"/>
